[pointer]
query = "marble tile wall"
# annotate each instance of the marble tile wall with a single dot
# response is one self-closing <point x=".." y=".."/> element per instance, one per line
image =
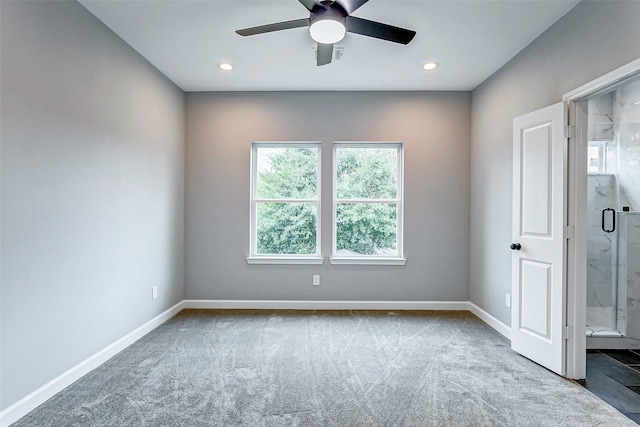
<point x="601" y="117"/>
<point x="629" y="139"/>
<point x="633" y="280"/>
<point x="630" y="164"/>
<point x="629" y="176"/>
<point x="620" y="292"/>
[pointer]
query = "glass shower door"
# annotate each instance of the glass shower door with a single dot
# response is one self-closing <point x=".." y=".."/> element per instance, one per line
<point x="601" y="255"/>
<point x="602" y="216"/>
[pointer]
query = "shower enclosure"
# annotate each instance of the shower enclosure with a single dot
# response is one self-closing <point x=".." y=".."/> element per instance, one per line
<point x="613" y="218"/>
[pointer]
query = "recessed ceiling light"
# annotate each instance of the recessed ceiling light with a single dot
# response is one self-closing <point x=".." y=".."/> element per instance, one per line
<point x="226" y="66"/>
<point x="431" y="65"/>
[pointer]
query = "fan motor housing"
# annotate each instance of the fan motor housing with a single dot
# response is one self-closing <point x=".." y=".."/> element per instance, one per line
<point x="329" y="10"/>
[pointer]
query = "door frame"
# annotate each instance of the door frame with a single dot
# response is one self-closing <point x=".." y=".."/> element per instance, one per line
<point x="577" y="132"/>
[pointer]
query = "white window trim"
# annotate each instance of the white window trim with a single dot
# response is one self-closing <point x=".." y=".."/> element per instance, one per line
<point x="254" y="258"/>
<point x="285" y="260"/>
<point x="343" y="260"/>
<point x="370" y="259"/>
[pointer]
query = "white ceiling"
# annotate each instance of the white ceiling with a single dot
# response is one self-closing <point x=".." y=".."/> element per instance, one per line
<point x="186" y="39"/>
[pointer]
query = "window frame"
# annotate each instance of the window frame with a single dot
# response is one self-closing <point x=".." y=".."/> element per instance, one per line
<point x="398" y="259"/>
<point x="602" y="156"/>
<point x="254" y="257"/>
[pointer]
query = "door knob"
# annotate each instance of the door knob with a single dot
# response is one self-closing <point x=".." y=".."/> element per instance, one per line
<point x="515" y="246"/>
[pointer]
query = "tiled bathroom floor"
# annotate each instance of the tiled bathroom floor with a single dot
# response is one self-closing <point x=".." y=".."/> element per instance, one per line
<point x="614" y="376"/>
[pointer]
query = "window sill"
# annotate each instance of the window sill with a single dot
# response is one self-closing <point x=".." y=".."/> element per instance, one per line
<point x="367" y="261"/>
<point x="311" y="260"/>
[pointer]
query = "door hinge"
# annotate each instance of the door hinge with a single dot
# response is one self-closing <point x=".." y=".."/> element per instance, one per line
<point x="569" y="232"/>
<point x="569" y="131"/>
<point x="567" y="332"/>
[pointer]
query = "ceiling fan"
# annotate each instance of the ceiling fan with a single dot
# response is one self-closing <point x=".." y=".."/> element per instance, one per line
<point x="329" y="21"/>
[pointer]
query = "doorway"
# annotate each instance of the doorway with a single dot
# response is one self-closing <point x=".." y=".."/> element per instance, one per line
<point x="603" y="264"/>
<point x="603" y="286"/>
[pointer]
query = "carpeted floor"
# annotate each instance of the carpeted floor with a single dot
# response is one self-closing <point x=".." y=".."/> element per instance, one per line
<point x="350" y="368"/>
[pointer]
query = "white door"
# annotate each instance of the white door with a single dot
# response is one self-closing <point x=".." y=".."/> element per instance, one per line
<point x="538" y="248"/>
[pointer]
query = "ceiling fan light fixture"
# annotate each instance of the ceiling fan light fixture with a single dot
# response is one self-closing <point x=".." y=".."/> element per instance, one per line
<point x="430" y="66"/>
<point x="328" y="23"/>
<point x="327" y="31"/>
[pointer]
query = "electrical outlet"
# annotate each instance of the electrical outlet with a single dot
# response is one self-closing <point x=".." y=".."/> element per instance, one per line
<point x="154" y="292"/>
<point x="507" y="300"/>
<point x="316" y="280"/>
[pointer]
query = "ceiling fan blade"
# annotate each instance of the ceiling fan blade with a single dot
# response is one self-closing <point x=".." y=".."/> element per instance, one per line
<point x="351" y="5"/>
<point x="324" y="54"/>
<point x="310" y="4"/>
<point x="261" y="29"/>
<point x="379" y="30"/>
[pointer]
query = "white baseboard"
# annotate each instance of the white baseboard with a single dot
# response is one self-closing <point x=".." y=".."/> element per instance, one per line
<point x="326" y="305"/>
<point x="39" y="396"/>
<point x="352" y="305"/>
<point x="28" y="403"/>
<point x="490" y="320"/>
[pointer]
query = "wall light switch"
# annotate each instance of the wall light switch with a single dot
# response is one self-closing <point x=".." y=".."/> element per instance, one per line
<point x="316" y="280"/>
<point x="507" y="300"/>
<point x="154" y="292"/>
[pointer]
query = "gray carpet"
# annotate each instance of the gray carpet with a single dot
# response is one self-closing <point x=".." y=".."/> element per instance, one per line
<point x="268" y="368"/>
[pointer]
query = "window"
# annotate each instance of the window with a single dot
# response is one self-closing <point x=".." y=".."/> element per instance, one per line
<point x="597" y="157"/>
<point x="367" y="203"/>
<point x="285" y="203"/>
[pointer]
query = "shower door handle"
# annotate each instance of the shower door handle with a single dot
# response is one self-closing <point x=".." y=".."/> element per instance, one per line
<point x="613" y="218"/>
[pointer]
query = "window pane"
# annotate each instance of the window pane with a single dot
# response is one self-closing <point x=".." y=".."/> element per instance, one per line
<point x="286" y="228"/>
<point x="367" y="173"/>
<point x="366" y="229"/>
<point x="287" y="173"/>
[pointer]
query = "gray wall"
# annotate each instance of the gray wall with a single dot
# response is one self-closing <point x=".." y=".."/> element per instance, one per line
<point x="591" y="40"/>
<point x="435" y="129"/>
<point x="92" y="191"/>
